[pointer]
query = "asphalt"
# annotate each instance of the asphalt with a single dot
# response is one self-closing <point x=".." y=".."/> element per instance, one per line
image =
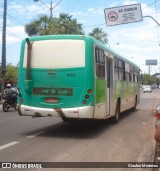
<point x="156" y="157"/>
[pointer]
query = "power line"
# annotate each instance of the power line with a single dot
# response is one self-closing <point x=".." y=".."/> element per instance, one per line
<point x="143" y="8"/>
<point x="151" y="4"/>
<point x="13" y="35"/>
<point x="15" y="19"/>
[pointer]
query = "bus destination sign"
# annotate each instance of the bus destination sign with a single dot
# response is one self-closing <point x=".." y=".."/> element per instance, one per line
<point x="123" y="14"/>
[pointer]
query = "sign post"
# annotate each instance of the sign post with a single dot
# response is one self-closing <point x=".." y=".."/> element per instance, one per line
<point x="123" y="14"/>
<point x="150" y="62"/>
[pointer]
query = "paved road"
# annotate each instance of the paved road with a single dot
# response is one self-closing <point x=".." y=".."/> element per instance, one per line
<point x="24" y="139"/>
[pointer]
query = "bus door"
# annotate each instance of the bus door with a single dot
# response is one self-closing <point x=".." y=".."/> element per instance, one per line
<point x="109" y="86"/>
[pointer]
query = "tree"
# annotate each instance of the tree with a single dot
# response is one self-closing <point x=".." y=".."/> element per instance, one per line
<point x="38" y="26"/>
<point x="67" y="25"/>
<point x="99" y="34"/>
<point x="148" y="79"/>
<point x="11" y="75"/>
<point x="44" y="25"/>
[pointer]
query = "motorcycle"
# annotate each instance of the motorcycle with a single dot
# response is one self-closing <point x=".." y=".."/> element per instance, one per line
<point x="8" y="103"/>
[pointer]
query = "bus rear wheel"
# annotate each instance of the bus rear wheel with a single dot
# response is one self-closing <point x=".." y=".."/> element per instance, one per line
<point x="116" y="117"/>
<point x="135" y="105"/>
<point x="69" y="119"/>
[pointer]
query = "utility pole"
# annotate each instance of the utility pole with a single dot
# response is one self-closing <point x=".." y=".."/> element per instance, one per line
<point x="3" y="63"/>
<point x="51" y="6"/>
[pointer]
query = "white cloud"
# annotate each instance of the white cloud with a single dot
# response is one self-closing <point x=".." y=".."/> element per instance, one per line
<point x="91" y="9"/>
<point x="14" y="34"/>
<point x="138" y="40"/>
<point x="128" y="2"/>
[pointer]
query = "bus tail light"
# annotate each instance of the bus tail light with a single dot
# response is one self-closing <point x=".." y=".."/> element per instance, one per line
<point x="86" y="96"/>
<point x="89" y="91"/>
<point x="158" y="115"/>
<point x="84" y="102"/>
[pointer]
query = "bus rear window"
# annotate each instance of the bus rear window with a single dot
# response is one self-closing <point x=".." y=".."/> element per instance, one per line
<point x="56" y="54"/>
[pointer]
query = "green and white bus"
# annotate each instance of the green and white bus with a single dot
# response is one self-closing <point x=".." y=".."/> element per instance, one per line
<point x="75" y="77"/>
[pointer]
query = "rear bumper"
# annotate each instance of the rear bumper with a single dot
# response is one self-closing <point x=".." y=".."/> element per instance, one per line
<point x="81" y="112"/>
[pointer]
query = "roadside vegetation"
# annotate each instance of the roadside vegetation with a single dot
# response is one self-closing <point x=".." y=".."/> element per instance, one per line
<point x="11" y="74"/>
<point x="64" y="24"/>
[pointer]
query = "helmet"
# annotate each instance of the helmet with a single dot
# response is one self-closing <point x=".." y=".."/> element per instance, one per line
<point x="9" y="85"/>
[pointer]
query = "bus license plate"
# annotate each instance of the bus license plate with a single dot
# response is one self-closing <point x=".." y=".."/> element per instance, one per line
<point x="51" y="100"/>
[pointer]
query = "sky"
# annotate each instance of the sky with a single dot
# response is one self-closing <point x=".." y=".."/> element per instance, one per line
<point x="138" y="41"/>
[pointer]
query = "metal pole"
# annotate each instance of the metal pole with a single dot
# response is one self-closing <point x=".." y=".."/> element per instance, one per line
<point x="51" y="8"/>
<point x="3" y="67"/>
<point x="152" y="19"/>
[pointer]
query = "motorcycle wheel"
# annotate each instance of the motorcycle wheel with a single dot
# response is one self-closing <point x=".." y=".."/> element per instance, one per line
<point x="15" y="106"/>
<point x="5" y="107"/>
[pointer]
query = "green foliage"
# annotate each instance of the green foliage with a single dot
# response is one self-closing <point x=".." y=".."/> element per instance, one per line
<point x="99" y="34"/>
<point x="64" y="24"/>
<point x="148" y="79"/>
<point x="11" y="74"/>
<point x="44" y="25"/>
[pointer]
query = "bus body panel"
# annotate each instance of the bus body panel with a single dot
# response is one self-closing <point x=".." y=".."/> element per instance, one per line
<point x="58" y="86"/>
<point x="63" y="80"/>
<point x="127" y="92"/>
<point x="100" y="101"/>
<point x="62" y="85"/>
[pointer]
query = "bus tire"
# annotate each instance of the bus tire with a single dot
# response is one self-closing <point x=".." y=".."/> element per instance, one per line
<point x="135" y="105"/>
<point x="116" y="117"/>
<point x="69" y="119"/>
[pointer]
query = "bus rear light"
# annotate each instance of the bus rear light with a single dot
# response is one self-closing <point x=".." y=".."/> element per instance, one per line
<point x="84" y="102"/>
<point x="158" y="115"/>
<point x="89" y="91"/>
<point x="86" y="96"/>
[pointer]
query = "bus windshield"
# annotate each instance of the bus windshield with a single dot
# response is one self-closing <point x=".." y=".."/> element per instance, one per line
<point x="56" y="54"/>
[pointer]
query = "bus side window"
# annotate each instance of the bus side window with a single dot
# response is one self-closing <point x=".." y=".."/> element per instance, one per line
<point x="121" y="70"/>
<point x="100" y="63"/>
<point x="116" y="71"/>
<point x="115" y="74"/>
<point x="127" y="76"/>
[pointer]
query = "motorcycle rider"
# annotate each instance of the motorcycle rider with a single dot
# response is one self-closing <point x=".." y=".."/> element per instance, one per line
<point x="10" y="93"/>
